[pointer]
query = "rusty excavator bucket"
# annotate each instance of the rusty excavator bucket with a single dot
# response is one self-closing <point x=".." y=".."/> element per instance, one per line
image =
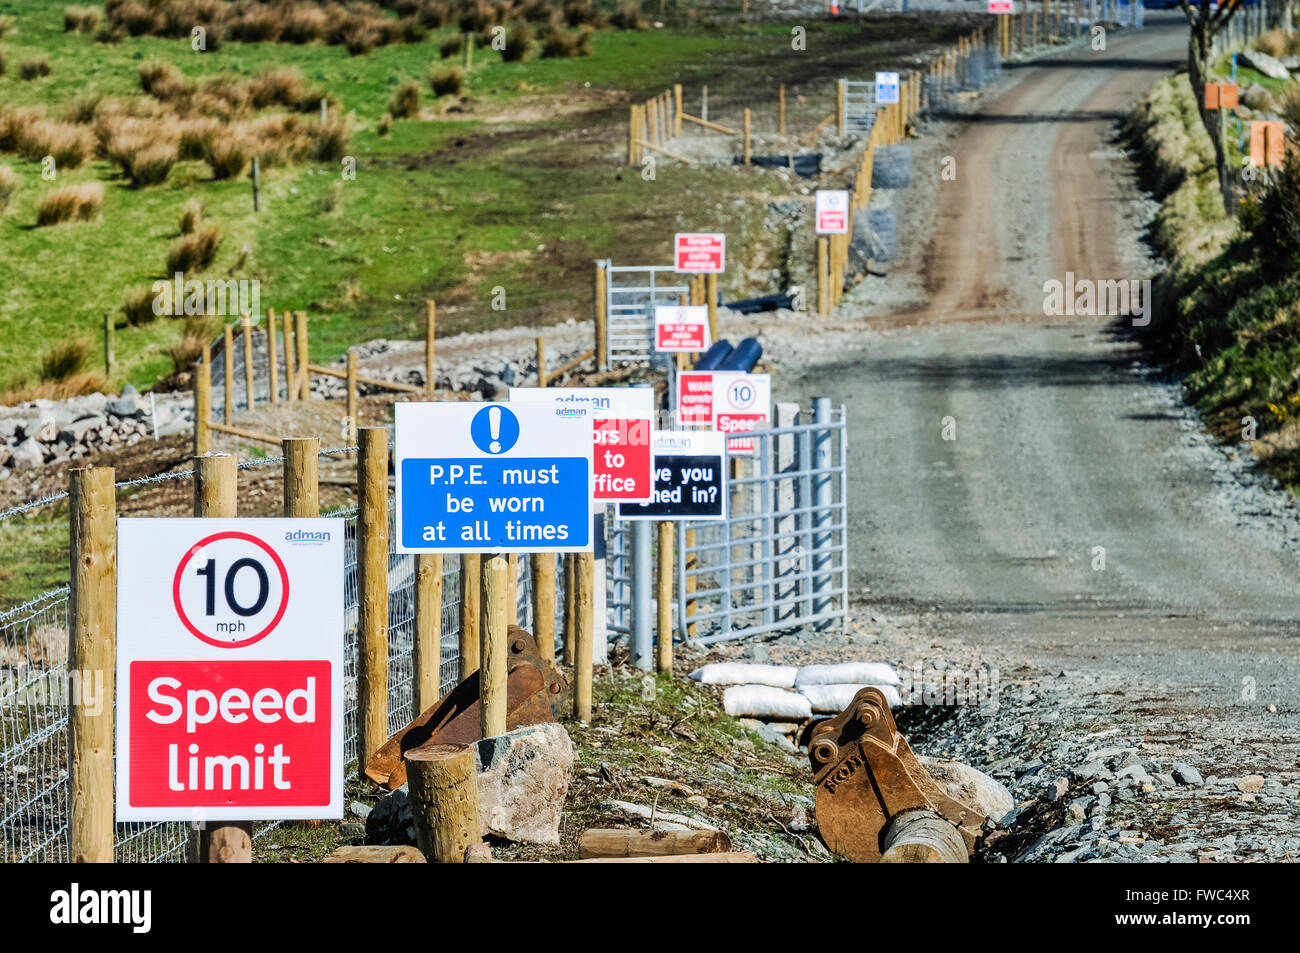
<point x="866" y="774"/>
<point x="535" y="693"/>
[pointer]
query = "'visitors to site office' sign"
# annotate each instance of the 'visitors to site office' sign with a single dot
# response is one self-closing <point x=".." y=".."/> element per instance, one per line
<point x="229" y="669"/>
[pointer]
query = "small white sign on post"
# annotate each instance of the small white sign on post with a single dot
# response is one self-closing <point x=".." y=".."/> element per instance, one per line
<point x="229" y="669"/>
<point x="832" y="212"/>
<point x="682" y="328"/>
<point x="886" y="89"/>
<point x="1002" y="7"/>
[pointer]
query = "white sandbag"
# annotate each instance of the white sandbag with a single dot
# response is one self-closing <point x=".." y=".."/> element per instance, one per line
<point x="833" y="699"/>
<point x="746" y="673"/>
<point x="848" y="673"/>
<point x="765" y="701"/>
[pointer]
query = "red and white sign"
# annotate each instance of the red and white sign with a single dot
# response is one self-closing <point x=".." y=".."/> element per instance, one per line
<point x="701" y="253"/>
<point x="682" y="328"/>
<point x="229" y="669"/>
<point x="1002" y="6"/>
<point x="832" y="212"/>
<point x="622" y="464"/>
<point x="727" y="401"/>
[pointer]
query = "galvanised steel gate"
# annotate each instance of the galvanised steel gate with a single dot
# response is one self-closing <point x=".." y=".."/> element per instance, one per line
<point x="859" y="104"/>
<point x="631" y="294"/>
<point x="780" y="559"/>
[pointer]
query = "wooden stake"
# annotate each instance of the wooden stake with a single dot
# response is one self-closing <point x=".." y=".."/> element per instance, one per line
<point x="584" y="611"/>
<point x="271" y="356"/>
<point x="677" y="109"/>
<point x="570" y="608"/>
<point x="442" y="782"/>
<point x="216" y="495"/>
<point x="92" y="654"/>
<point x="290" y="384"/>
<point x="471" y="596"/>
<point x="426" y="652"/>
<point x="632" y="136"/>
<point x="350" y="431"/>
<point x="602" y="329"/>
<point x="372" y="586"/>
<point x="304" y="377"/>
<point x="664" y="655"/>
<point x="430" y="321"/>
<point x="496" y="648"/>
<point x="228" y="352"/>
<point x="780" y="105"/>
<point x="823" y="277"/>
<point x="542" y="569"/>
<point x="711" y="299"/>
<point x="512" y="586"/>
<point x="746" y="135"/>
<point x="626" y="842"/>
<point x="108" y="343"/>
<point x="202" y="404"/>
<point x="841" y="91"/>
<point x="541" y="363"/>
<point x="249" y="383"/>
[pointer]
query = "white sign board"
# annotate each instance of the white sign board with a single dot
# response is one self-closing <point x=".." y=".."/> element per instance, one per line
<point x="229" y="669"/>
<point x="887" y="87"/>
<point x="492" y="478"/>
<point x="832" y="212"/>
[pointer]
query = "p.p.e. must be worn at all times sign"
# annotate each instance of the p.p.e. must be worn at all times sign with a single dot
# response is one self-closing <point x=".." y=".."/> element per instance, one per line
<point x="229" y="669"/>
<point x="484" y="478"/>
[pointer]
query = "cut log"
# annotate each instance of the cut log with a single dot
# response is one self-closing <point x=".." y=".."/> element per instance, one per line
<point x="621" y="842"/>
<point x="730" y="857"/>
<point x="923" y="837"/>
<point x="371" y="854"/>
<point x="444" y="800"/>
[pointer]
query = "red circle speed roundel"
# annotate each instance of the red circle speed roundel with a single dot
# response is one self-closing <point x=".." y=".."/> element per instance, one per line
<point x="230" y="578"/>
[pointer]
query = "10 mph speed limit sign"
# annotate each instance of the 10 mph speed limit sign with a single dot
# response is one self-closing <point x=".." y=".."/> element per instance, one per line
<point x="229" y="669"/>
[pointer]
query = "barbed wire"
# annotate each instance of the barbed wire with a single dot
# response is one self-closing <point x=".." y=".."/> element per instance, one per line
<point x="33" y="604"/>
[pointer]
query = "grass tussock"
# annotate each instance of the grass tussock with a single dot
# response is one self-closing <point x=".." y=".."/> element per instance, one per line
<point x="405" y="101"/>
<point x="228" y="156"/>
<point x="80" y="19"/>
<point x="447" y="82"/>
<point x="78" y="385"/>
<point x="451" y="46"/>
<point x="35" y="68"/>
<point x="561" y="44"/>
<point x="197" y="332"/>
<point x="195" y="251"/>
<point x="521" y="42"/>
<point x="71" y="203"/>
<point x="331" y="139"/>
<point x="137" y="306"/>
<point x="8" y="186"/>
<point x="7" y="24"/>
<point x="69" y="144"/>
<point x="63" y="359"/>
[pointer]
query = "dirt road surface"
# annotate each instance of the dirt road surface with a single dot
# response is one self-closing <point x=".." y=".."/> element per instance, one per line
<point x="1068" y="454"/>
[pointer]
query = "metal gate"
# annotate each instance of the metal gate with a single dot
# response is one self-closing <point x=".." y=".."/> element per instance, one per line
<point x="859" y="104"/>
<point x="780" y="559"/>
<point x="631" y="294"/>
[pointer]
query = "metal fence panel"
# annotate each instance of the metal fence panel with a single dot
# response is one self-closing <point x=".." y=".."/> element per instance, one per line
<point x="631" y="294"/>
<point x="780" y="559"/>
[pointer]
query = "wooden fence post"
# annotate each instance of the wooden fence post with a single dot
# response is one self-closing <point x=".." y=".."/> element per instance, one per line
<point x="631" y="134"/>
<point x="512" y="590"/>
<point x="747" y="150"/>
<point x="92" y="653"/>
<point x="495" y="652"/>
<point x="304" y="376"/>
<point x="677" y="109"/>
<point x="290" y="378"/>
<point x="841" y="93"/>
<point x="351" y="408"/>
<point x="570" y="620"/>
<point x="542" y="568"/>
<point x="541" y="363"/>
<point x="272" y="356"/>
<point x="228" y="385"/>
<point x="203" y="403"/>
<point x="216" y="494"/>
<point x="602" y="329"/>
<point x="426" y="652"/>
<point x="250" y="383"/>
<point x="108" y="343"/>
<point x="711" y="299"/>
<point x="444" y="797"/>
<point x="430" y="321"/>
<point x="823" y="279"/>
<point x="781" y="110"/>
<point x="585" y="617"/>
<point x="372" y="586"/>
<point x="471" y="597"/>
<point x="301" y="476"/>
<point x="664" y="655"/>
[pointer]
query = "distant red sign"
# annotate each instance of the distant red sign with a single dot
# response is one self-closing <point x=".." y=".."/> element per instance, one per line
<point x="1001" y="6"/>
<point x="682" y="328"/>
<point x="701" y="253"/>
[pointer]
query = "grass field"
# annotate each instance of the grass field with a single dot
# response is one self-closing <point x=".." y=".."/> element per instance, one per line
<point x="519" y="185"/>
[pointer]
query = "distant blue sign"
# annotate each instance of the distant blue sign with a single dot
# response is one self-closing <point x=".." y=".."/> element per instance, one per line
<point x="492" y="479"/>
